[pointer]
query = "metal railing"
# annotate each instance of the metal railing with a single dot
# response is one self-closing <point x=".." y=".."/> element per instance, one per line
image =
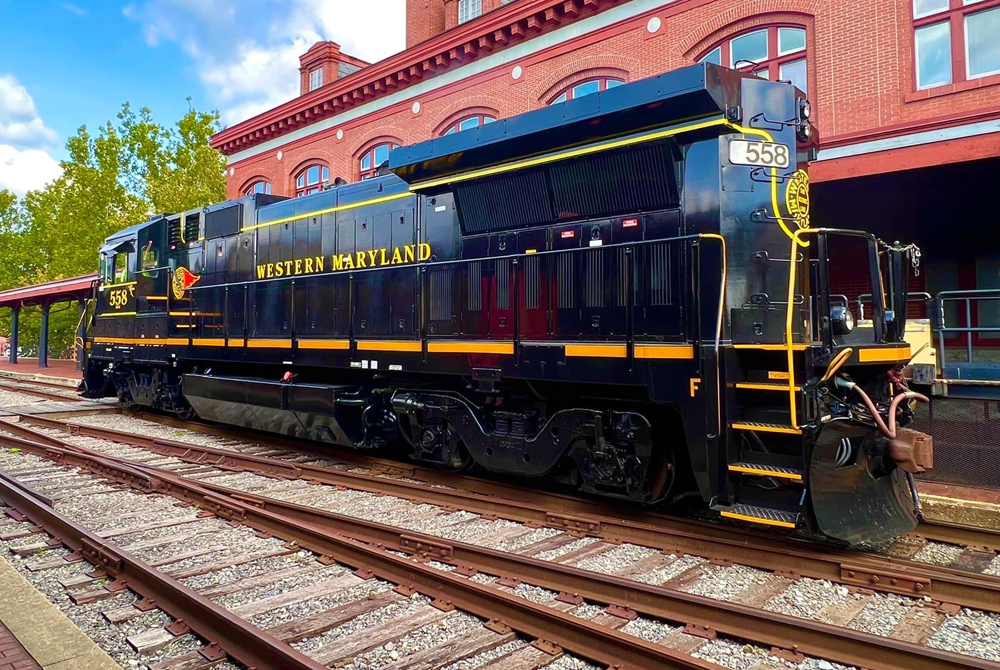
<point x="965" y="298"/>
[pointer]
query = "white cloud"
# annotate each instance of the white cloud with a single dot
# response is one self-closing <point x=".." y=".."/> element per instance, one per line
<point x="20" y="125"/>
<point x="25" y="140"/>
<point x="74" y="9"/>
<point x="28" y="170"/>
<point x="246" y="54"/>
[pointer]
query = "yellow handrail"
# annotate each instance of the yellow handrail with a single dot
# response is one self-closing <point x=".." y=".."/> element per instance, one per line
<point x="789" y="348"/>
<point x="718" y="328"/>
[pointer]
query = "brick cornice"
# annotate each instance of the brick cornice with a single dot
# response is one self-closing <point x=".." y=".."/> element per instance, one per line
<point x="491" y="32"/>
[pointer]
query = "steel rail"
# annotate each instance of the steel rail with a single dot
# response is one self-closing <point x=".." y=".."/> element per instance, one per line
<point x="326" y="532"/>
<point x="973" y="537"/>
<point x="223" y="631"/>
<point x="757" y="550"/>
<point x="580" y="636"/>
<point x="39" y="393"/>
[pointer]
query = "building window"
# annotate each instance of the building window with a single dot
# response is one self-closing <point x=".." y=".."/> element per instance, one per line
<point x="469" y="9"/>
<point x="955" y="40"/>
<point x="468" y="122"/>
<point x="311" y="180"/>
<point x="587" y="87"/>
<point x="775" y="52"/>
<point x="315" y="78"/>
<point x="261" y="186"/>
<point x="371" y="159"/>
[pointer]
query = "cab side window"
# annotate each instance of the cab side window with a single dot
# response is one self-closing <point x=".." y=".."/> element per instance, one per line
<point x="121" y="268"/>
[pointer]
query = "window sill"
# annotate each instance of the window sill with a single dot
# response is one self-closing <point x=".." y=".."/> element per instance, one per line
<point x="949" y="89"/>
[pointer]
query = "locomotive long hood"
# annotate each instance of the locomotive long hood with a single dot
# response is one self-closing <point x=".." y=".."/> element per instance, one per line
<point x="696" y="92"/>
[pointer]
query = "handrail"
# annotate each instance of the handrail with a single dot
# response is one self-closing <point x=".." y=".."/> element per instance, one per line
<point x="792" y="270"/>
<point x="966" y="296"/>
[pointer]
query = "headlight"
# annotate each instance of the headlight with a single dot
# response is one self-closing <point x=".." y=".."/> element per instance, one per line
<point x="842" y="320"/>
<point x="805" y="109"/>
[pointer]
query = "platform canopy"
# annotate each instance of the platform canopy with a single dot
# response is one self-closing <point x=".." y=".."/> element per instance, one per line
<point x="58" y="290"/>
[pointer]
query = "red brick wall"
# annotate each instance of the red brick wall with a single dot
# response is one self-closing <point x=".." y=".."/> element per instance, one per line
<point x="424" y="20"/>
<point x="859" y="62"/>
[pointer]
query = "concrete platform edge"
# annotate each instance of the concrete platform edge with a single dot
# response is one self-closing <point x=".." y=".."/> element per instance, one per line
<point x="46" y="633"/>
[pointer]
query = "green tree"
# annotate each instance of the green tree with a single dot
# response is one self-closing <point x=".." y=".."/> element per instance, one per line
<point x="112" y="179"/>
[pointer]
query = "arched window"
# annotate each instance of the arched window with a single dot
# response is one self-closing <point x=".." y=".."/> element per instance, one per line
<point x="311" y="180"/>
<point x="586" y="87"/>
<point x="468" y="122"/>
<point x="262" y="186"/>
<point x="774" y="52"/>
<point x="373" y="157"/>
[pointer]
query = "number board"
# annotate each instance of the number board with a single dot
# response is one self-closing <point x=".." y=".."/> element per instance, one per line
<point x="763" y="154"/>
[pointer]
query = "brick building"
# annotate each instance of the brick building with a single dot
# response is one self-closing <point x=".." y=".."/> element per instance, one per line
<point x="906" y="96"/>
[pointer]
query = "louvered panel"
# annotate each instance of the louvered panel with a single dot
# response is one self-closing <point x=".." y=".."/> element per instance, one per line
<point x="504" y="203"/>
<point x="440" y="294"/>
<point x="503" y="283"/>
<point x="475" y="301"/>
<point x="532" y="288"/>
<point x="594" y="278"/>
<point x="621" y="278"/>
<point x="565" y="281"/>
<point x="660" y="275"/>
<point x="632" y="180"/>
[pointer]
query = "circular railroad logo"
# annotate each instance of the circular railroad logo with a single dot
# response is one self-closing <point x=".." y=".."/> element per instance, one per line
<point x="797" y="198"/>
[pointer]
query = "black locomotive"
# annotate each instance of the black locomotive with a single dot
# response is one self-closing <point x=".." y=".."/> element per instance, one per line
<point x="619" y="293"/>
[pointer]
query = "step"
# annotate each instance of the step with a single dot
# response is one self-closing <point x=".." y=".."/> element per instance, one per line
<point x="765" y="386"/>
<point x="761" y="515"/>
<point x="762" y="470"/>
<point x="765" y="427"/>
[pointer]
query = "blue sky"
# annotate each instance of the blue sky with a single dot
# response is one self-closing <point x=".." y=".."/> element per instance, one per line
<point x="65" y="64"/>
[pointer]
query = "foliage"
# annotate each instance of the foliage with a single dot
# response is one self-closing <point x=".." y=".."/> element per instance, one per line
<point x="113" y="178"/>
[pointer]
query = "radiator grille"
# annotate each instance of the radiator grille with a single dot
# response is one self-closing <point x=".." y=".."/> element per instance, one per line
<point x="512" y="201"/>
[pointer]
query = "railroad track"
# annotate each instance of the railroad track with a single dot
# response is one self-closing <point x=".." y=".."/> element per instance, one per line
<point x="699" y="613"/>
<point x="39" y="390"/>
<point x="954" y="586"/>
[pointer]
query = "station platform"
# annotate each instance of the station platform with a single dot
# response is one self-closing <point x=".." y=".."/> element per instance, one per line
<point x="35" y="635"/>
<point x="58" y="370"/>
<point x="965" y="505"/>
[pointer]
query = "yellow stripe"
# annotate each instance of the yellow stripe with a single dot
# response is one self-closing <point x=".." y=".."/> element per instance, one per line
<point x="323" y="344"/>
<point x="671" y="351"/>
<point x="195" y="313"/>
<point x="153" y="341"/>
<point x="115" y="315"/>
<point x="209" y="341"/>
<point x="186" y="325"/>
<point x="764" y="387"/>
<point x="597" y="350"/>
<point x="330" y="210"/>
<point x="772" y="347"/>
<point x="113" y="340"/>
<point x="889" y="355"/>
<point x="456" y="347"/>
<point x="753" y="519"/>
<point x="156" y="297"/>
<point x="389" y="345"/>
<point x="269" y="344"/>
<point x="767" y="429"/>
<point x="765" y="473"/>
<point x="124" y="283"/>
<point x="573" y="153"/>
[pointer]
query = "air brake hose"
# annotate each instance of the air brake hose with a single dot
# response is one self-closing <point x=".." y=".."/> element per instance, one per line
<point x="890" y="430"/>
<point x="837" y="363"/>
